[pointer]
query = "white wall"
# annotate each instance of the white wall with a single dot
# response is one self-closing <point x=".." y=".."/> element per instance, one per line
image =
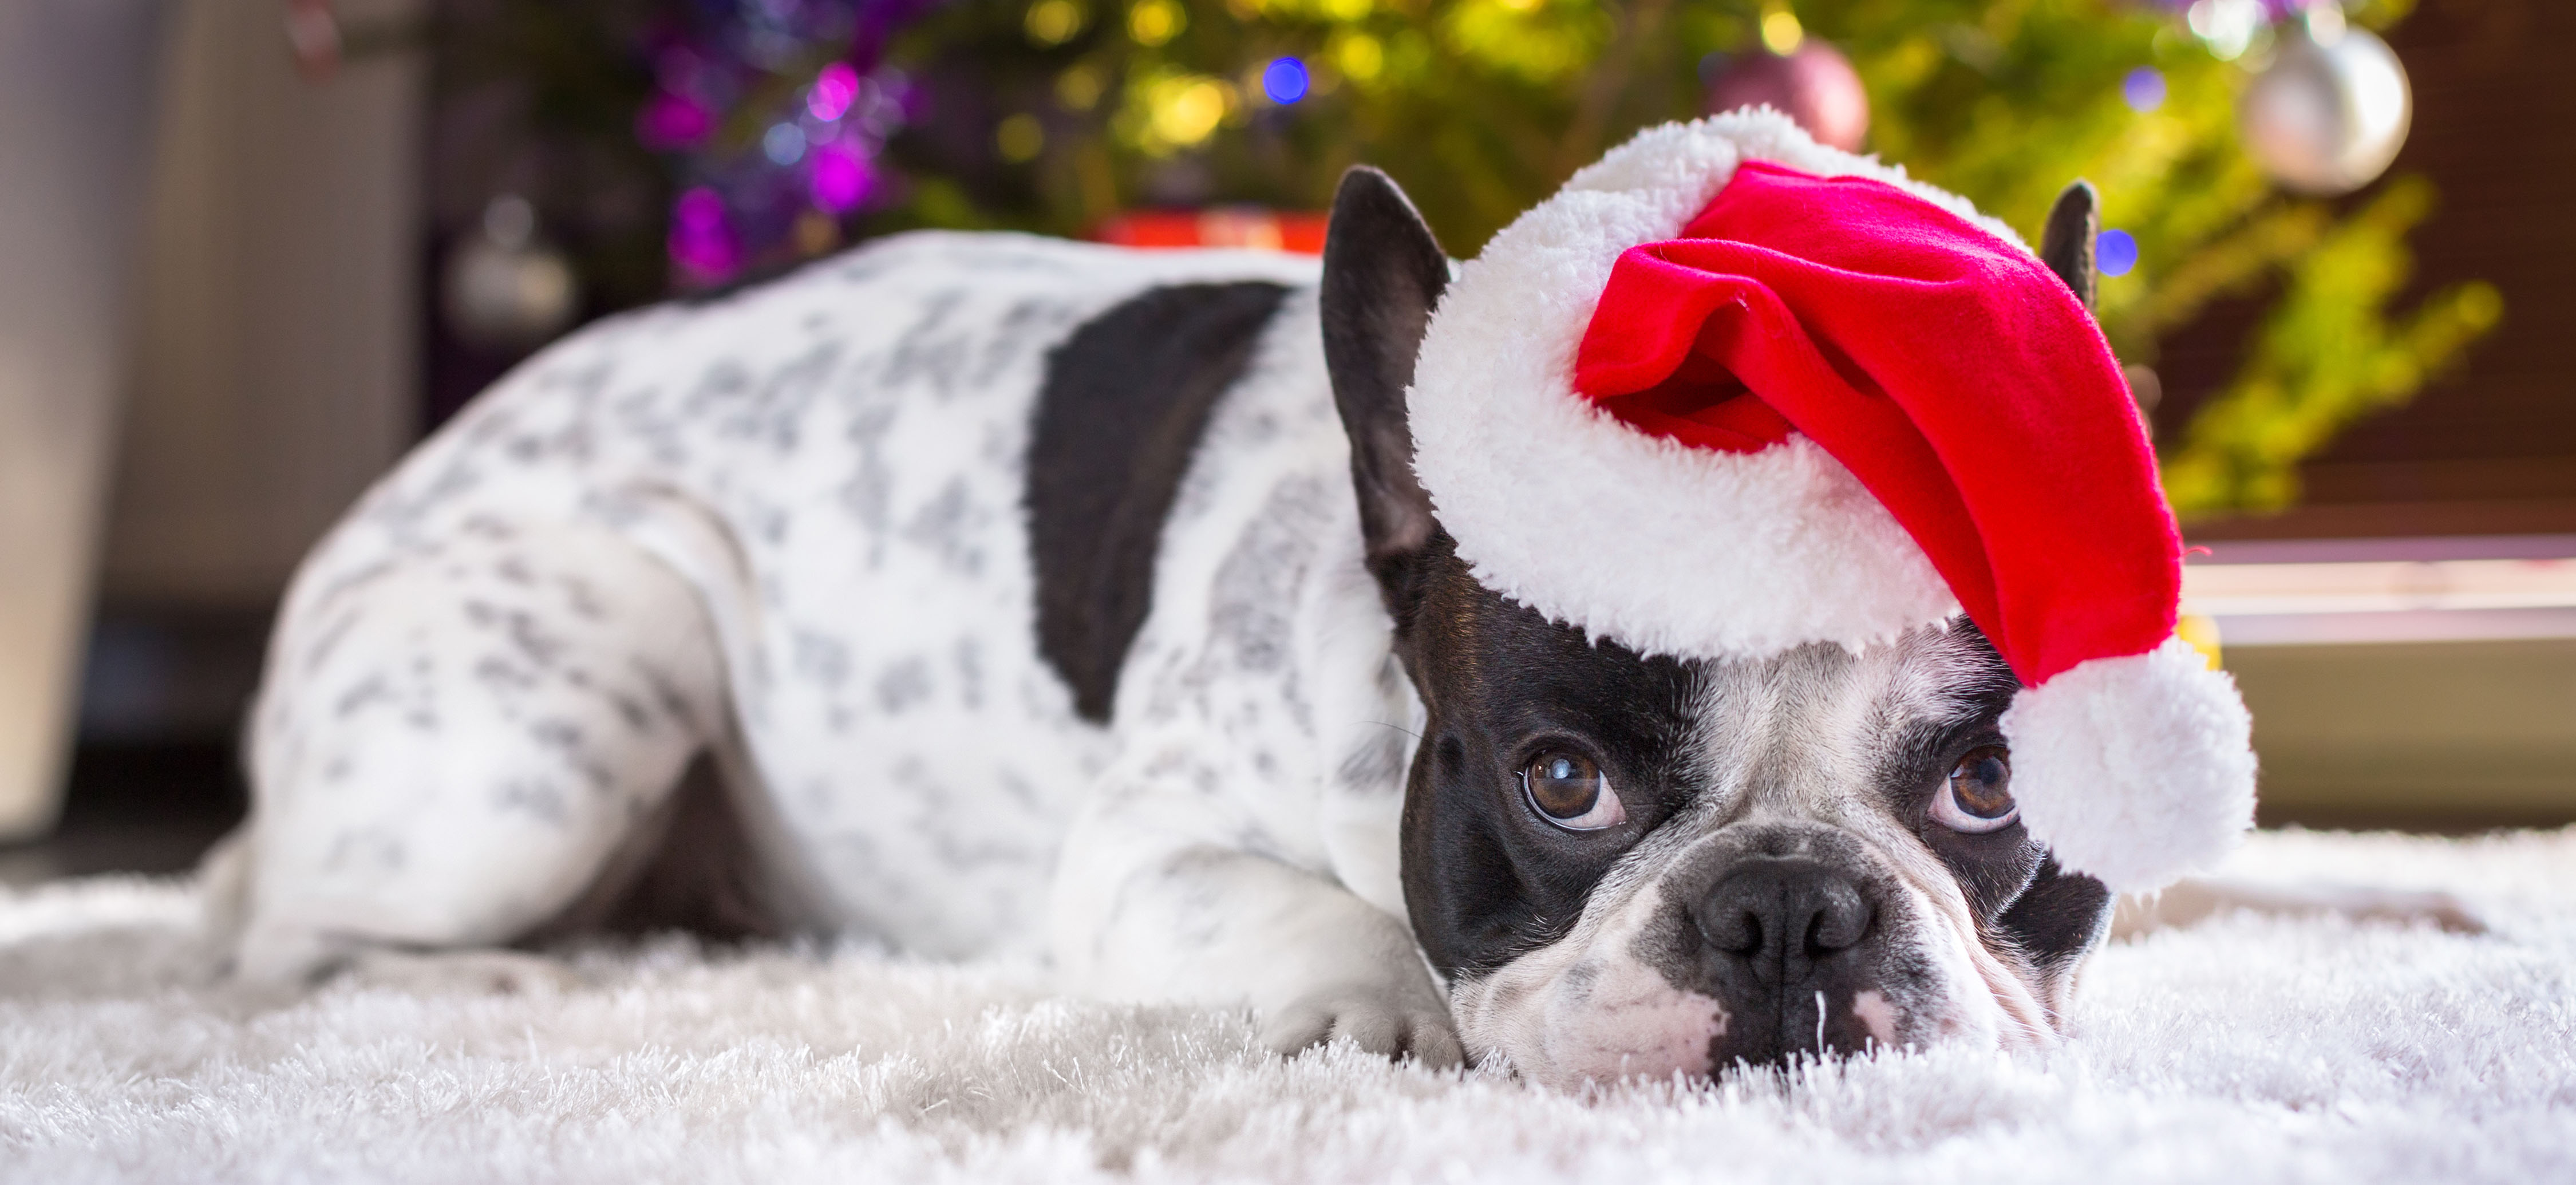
<point x="275" y="371"/>
<point x="75" y="101"/>
<point x="267" y="349"/>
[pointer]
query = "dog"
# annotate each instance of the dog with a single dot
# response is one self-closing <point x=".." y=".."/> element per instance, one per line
<point x="994" y="594"/>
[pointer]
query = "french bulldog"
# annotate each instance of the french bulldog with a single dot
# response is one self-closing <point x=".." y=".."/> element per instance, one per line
<point x="990" y="594"/>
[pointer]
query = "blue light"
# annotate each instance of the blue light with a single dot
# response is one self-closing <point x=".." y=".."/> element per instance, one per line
<point x="1284" y="80"/>
<point x="2143" y="89"/>
<point x="784" y="144"/>
<point x="2114" y="252"/>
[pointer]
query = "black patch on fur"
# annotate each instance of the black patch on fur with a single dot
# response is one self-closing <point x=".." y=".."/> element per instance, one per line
<point x="2059" y="918"/>
<point x="1994" y="868"/>
<point x="1125" y="401"/>
<point x="1486" y="880"/>
<point x="1383" y="273"/>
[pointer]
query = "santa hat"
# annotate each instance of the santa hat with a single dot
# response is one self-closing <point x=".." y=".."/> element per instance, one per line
<point x="1730" y="392"/>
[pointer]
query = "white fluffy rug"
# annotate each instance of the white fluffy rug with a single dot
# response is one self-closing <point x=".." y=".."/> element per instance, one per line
<point x="2243" y="1050"/>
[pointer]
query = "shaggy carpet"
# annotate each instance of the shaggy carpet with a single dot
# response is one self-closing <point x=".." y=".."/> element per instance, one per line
<point x="2244" y="1049"/>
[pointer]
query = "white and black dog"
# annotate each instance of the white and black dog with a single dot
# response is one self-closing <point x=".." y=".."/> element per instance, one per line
<point x="987" y="593"/>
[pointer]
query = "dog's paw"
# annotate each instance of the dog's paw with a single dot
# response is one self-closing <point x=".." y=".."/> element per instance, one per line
<point x="1380" y="1022"/>
<point x="460" y="972"/>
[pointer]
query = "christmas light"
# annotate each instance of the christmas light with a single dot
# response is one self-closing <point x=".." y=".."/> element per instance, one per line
<point x="1186" y="110"/>
<point x="1284" y="80"/>
<point x="702" y="241"/>
<point x="840" y="178"/>
<point x="1781" y="32"/>
<point x="1054" y="22"/>
<point x="2115" y="252"/>
<point x="2143" y="89"/>
<point x="1020" y="138"/>
<point x="1153" y="22"/>
<point x="783" y="144"/>
<point x="670" y="121"/>
<point x="1360" y="57"/>
<point x="834" y="89"/>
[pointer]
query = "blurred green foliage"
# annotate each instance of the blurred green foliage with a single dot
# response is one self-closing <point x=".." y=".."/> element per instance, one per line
<point x="1480" y="108"/>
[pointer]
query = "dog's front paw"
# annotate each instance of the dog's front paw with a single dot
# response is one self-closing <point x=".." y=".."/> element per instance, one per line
<point x="1388" y="1023"/>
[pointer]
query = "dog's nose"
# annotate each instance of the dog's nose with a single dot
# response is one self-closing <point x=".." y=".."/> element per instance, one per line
<point x="1783" y="916"/>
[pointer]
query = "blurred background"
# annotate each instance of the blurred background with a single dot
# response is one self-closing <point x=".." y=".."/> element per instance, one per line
<point x="259" y="247"/>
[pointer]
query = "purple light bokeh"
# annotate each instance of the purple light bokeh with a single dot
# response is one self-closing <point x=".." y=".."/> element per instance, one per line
<point x="1284" y="80"/>
<point x="771" y="112"/>
<point x="671" y="121"/>
<point x="2143" y="89"/>
<point x="833" y="91"/>
<point x="702" y="240"/>
<point x="2115" y="252"/>
<point x="840" y="177"/>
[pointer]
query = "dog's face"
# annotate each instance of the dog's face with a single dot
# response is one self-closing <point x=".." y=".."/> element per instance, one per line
<point x="1632" y="865"/>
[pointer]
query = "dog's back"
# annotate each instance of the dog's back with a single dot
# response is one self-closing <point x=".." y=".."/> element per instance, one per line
<point x="790" y="529"/>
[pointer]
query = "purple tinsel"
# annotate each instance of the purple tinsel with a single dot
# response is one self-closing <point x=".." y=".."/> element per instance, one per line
<point x="774" y="113"/>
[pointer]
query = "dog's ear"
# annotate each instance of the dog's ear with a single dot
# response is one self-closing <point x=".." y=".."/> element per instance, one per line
<point x="2066" y="246"/>
<point x="1383" y="271"/>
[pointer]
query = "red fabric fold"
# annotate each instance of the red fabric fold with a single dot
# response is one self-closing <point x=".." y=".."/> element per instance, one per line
<point x="1952" y="373"/>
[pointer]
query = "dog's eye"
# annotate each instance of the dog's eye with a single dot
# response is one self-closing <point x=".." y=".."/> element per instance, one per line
<point x="1570" y="791"/>
<point x="1979" y="796"/>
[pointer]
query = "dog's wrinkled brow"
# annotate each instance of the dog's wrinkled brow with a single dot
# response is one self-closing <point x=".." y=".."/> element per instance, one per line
<point x="1823" y="705"/>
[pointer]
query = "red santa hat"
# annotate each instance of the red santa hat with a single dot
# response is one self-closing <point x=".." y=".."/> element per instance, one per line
<point x="1731" y="392"/>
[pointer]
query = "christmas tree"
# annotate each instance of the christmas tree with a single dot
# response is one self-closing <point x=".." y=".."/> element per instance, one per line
<point x="783" y="127"/>
<point x="1054" y="115"/>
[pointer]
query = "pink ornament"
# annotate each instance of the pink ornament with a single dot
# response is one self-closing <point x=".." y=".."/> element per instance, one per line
<point x="1816" y="86"/>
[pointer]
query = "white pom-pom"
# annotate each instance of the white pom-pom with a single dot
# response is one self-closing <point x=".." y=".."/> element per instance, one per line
<point x="2136" y="769"/>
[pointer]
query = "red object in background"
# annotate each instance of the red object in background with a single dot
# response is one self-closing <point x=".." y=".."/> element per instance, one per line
<point x="1815" y="86"/>
<point x="313" y="32"/>
<point x="1220" y="226"/>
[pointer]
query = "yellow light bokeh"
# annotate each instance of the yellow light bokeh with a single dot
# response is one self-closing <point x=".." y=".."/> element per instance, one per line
<point x="1360" y="57"/>
<point x="1054" y="22"/>
<point x="2201" y="634"/>
<point x="1079" y="88"/>
<point x="1153" y="22"/>
<point x="1781" y="32"/>
<point x="1348" y="10"/>
<point x="1187" y="110"/>
<point x="1020" y="138"/>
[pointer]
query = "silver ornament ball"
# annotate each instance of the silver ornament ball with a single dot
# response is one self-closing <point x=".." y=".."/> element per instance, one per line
<point x="2331" y="111"/>
<point x="507" y="289"/>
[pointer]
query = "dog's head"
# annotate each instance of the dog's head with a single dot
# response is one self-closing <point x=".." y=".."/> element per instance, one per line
<point x="1629" y="864"/>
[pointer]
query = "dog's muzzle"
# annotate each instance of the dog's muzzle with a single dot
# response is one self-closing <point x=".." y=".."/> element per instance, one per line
<point x="1790" y="937"/>
<point x="1780" y="933"/>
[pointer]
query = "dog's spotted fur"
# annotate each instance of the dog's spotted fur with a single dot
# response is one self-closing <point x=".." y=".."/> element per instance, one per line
<point x="1251" y="744"/>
